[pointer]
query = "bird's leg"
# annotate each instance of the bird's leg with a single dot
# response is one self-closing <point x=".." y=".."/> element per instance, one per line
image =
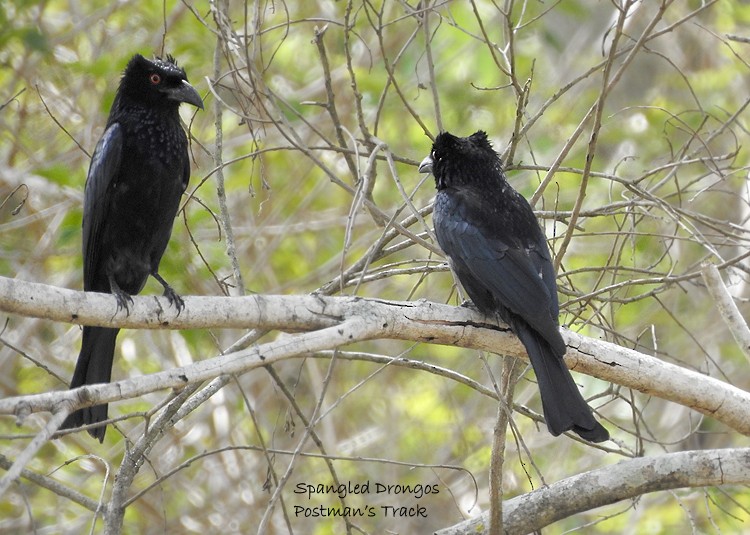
<point x="174" y="299"/>
<point x="124" y="300"/>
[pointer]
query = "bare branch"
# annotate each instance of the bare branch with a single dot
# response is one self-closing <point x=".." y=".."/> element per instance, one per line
<point x="628" y="479"/>
<point x="340" y="321"/>
<point x="727" y="307"/>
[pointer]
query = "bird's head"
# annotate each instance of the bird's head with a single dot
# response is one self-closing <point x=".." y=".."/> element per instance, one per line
<point x="461" y="160"/>
<point x="158" y="82"/>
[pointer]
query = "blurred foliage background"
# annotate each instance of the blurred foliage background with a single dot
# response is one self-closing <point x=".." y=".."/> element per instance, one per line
<point x="309" y="93"/>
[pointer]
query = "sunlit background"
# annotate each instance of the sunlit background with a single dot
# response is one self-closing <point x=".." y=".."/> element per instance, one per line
<point x="665" y="191"/>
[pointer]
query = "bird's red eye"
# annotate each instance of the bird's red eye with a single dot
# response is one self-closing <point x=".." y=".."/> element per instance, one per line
<point x="155" y="79"/>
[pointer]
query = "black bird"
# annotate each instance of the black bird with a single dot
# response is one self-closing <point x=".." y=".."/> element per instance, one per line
<point x="499" y="253"/>
<point x="138" y="173"/>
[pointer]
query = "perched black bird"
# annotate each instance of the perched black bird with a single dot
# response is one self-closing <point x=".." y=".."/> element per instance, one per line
<point x="499" y="253"/>
<point x="138" y="173"/>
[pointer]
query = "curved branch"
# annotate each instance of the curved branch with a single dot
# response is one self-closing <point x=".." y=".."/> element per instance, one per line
<point x="726" y="307"/>
<point x="628" y="479"/>
<point x="334" y="322"/>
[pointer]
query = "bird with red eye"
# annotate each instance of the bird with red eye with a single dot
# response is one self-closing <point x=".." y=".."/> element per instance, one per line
<point x="138" y="173"/>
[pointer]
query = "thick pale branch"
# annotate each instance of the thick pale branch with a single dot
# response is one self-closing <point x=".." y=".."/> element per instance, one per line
<point x="628" y="479"/>
<point x="420" y="320"/>
<point x="365" y="319"/>
<point x="652" y="376"/>
<point x="727" y="307"/>
<point x="232" y="363"/>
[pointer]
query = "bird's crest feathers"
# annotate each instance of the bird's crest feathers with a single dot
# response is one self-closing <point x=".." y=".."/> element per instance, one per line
<point x="168" y="67"/>
<point x="158" y="84"/>
<point x="464" y="160"/>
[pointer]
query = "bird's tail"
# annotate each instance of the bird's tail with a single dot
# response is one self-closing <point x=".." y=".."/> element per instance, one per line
<point x="564" y="406"/>
<point x="94" y="366"/>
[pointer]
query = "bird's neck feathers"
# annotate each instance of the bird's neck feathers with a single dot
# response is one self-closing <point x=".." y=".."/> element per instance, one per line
<point x="127" y="97"/>
<point x="139" y="114"/>
<point x="471" y="172"/>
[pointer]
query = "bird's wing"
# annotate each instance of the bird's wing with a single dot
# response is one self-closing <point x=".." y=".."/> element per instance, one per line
<point x="185" y="172"/>
<point x="517" y="272"/>
<point x="104" y="167"/>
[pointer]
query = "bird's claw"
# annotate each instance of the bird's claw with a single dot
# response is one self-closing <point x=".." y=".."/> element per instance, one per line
<point x="124" y="301"/>
<point x="174" y="299"/>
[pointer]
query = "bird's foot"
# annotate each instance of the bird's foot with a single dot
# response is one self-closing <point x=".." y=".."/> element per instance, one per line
<point x="174" y="299"/>
<point x="124" y="300"/>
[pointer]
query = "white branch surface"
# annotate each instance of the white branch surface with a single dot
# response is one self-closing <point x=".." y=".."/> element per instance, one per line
<point x="625" y="480"/>
<point x="727" y="307"/>
<point x="334" y="322"/>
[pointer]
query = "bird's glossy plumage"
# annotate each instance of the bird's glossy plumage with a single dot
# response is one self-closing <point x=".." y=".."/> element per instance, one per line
<point x="499" y="253"/>
<point x="137" y="175"/>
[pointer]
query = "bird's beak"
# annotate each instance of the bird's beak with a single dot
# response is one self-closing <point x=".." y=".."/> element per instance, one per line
<point x="426" y="165"/>
<point x="185" y="93"/>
